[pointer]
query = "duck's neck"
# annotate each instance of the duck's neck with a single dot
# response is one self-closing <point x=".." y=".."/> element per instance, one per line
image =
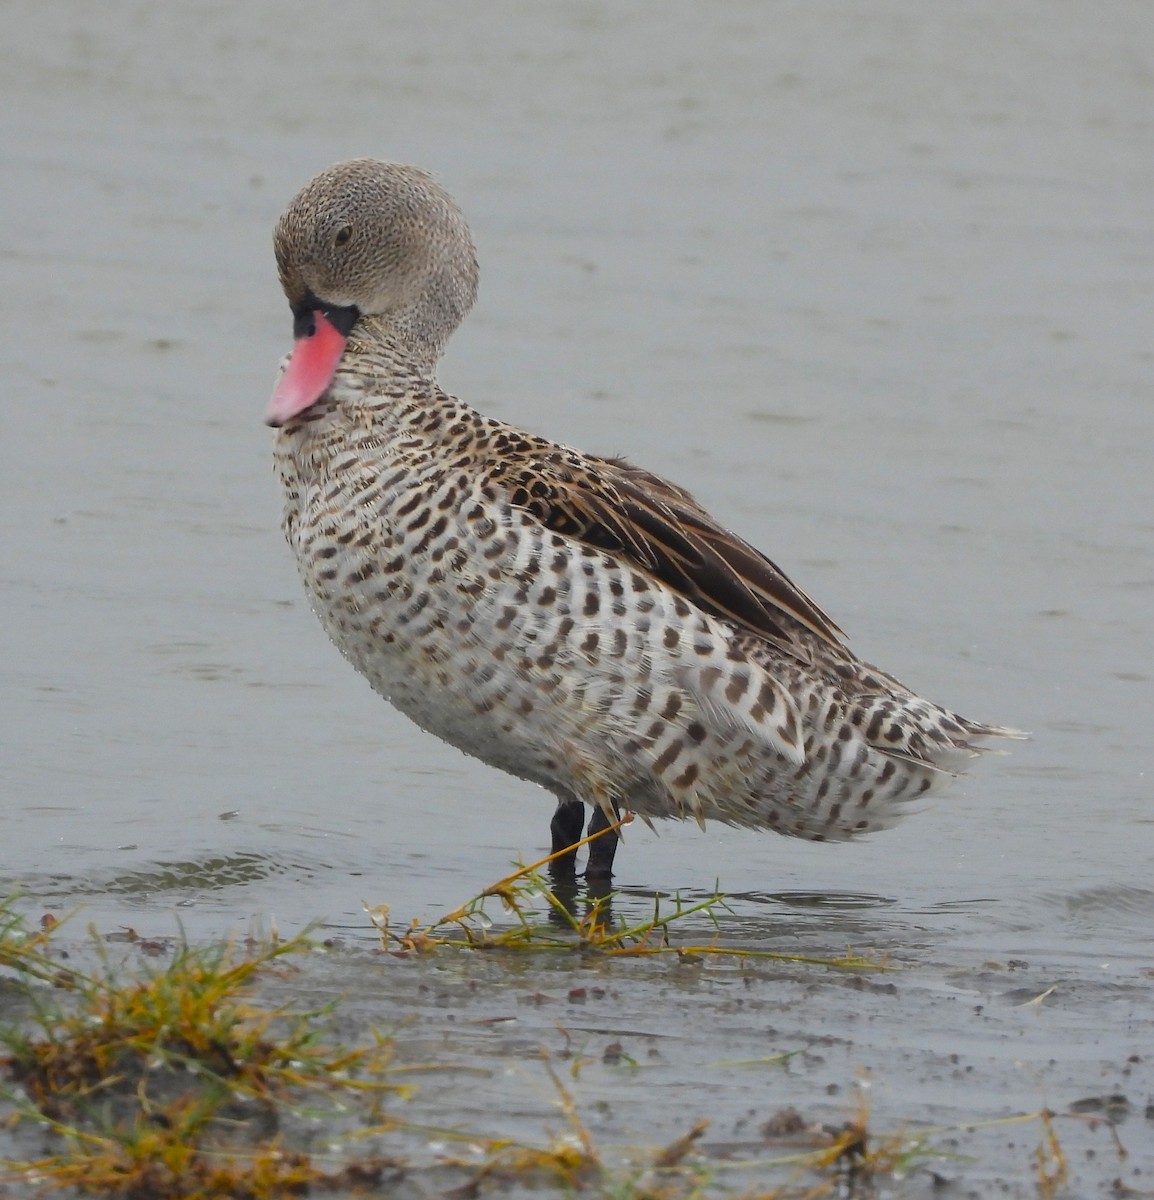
<point x="419" y="330"/>
<point x="405" y="352"/>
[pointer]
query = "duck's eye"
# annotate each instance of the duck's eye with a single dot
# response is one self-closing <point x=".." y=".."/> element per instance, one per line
<point x="343" y="234"/>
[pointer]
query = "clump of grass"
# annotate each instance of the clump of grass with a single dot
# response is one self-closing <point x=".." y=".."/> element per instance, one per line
<point x="541" y="920"/>
<point x="188" y="1026"/>
<point x="174" y="1083"/>
<point x="171" y="1163"/>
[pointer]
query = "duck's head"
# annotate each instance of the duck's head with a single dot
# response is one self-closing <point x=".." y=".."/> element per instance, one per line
<point x="368" y="239"/>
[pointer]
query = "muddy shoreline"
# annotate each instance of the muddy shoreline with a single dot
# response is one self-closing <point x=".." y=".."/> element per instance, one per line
<point x="539" y="1070"/>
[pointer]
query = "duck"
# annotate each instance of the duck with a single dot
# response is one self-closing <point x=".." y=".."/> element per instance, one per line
<point x="568" y="618"/>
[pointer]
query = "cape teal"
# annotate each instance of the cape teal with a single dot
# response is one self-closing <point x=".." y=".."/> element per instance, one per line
<point x="571" y="619"/>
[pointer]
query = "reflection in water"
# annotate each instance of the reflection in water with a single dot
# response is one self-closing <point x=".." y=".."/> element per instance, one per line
<point x="787" y="921"/>
<point x="578" y="898"/>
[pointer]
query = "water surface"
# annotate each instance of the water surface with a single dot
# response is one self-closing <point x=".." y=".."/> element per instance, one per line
<point x="874" y="285"/>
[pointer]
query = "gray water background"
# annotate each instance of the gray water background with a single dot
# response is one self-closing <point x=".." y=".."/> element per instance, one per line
<point x="875" y="284"/>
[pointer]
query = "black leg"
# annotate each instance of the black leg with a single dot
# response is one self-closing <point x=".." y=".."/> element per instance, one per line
<point x="601" y="852"/>
<point x="566" y="827"/>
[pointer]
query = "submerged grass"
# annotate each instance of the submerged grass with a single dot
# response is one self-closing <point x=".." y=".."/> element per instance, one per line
<point x="544" y="920"/>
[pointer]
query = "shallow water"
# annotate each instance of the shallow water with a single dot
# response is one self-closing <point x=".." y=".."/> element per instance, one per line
<point x="874" y="285"/>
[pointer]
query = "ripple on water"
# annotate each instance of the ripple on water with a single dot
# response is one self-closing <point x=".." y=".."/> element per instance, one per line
<point x="1116" y="901"/>
<point x="209" y="873"/>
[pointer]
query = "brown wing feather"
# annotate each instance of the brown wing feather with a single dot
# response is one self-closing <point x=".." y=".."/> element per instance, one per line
<point x="615" y="506"/>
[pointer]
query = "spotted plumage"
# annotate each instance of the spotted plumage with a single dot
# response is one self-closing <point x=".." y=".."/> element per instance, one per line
<point x="570" y="619"/>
